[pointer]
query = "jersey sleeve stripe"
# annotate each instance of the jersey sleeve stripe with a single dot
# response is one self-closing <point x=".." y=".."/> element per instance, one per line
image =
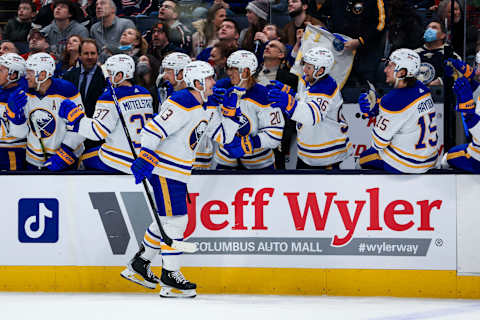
<point x="154" y="122"/>
<point x="153" y="133"/>
<point x="172" y="158"/>
<point x="379" y="137"/>
<point x="271" y="136"/>
<point x="268" y="156"/>
<point x="100" y="130"/>
<point x="379" y="143"/>
<point x="226" y="159"/>
<point x="99" y="136"/>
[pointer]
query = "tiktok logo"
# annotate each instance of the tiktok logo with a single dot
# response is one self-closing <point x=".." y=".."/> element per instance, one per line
<point x="38" y="220"/>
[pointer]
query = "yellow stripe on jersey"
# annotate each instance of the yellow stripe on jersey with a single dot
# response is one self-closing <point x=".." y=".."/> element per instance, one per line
<point x="182" y="107"/>
<point x="370" y="157"/>
<point x="266" y="157"/>
<point x="136" y="96"/>
<point x="14" y="146"/>
<point x="413" y="155"/>
<point x="474" y="148"/>
<point x="406" y="107"/>
<point x="118" y="161"/>
<point x="256" y="103"/>
<point x="323" y="94"/>
<point x="168" y="248"/>
<point x="166" y="196"/>
<point x="380" y="143"/>
<point x="40" y="150"/>
<point x="166" y="155"/>
<point x="457" y="154"/>
<point x="62" y="97"/>
<point x="394" y="158"/>
<point x="381" y="15"/>
<point x="151" y="240"/>
<point x="154" y="128"/>
<point x="322" y="144"/>
<point x="110" y="148"/>
<point x="324" y="156"/>
<point x="275" y="132"/>
<point x="234" y="161"/>
<point x="105" y="102"/>
<point x="204" y="154"/>
<point x="34" y="157"/>
<point x="13" y="160"/>
<point x="103" y="133"/>
<point x="88" y="155"/>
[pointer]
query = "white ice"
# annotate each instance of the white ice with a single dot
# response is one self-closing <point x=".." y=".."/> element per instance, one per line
<point x="73" y="306"/>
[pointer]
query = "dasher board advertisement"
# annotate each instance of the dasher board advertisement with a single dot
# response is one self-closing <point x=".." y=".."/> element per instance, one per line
<point x="290" y="221"/>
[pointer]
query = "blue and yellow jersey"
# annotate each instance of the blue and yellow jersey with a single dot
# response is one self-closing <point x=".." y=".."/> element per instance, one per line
<point x="405" y="133"/>
<point x="175" y="134"/>
<point x="135" y="103"/>
<point x="322" y="133"/>
<point x="44" y="129"/>
<point x="258" y="119"/>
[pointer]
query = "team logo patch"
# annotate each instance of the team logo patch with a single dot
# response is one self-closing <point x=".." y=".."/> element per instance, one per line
<point x="245" y="125"/>
<point x="42" y="122"/>
<point x="426" y="73"/>
<point x="197" y="134"/>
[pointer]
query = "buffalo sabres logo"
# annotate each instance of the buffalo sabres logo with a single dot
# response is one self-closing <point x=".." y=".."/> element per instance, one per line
<point x="42" y="123"/>
<point x="197" y="134"/>
<point x="426" y="73"/>
<point x="245" y="125"/>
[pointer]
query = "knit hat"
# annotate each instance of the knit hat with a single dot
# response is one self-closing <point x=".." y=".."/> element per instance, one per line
<point x="260" y="8"/>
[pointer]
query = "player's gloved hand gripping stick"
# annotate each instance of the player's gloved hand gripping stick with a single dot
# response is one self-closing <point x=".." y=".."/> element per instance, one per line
<point x="178" y="245"/>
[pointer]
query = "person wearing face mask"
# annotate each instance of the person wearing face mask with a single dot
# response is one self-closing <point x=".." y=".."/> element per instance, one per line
<point x="146" y="72"/>
<point x="432" y="54"/>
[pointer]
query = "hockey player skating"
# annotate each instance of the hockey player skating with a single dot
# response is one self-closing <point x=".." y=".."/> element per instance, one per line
<point x="136" y="105"/>
<point x="170" y="78"/>
<point x="12" y="149"/>
<point x="466" y="156"/>
<point x="321" y="128"/>
<point x="36" y="115"/>
<point x="169" y="143"/>
<point x="405" y="137"/>
<point x="261" y="126"/>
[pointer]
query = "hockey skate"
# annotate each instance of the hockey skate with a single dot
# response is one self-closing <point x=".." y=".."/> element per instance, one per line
<point x="138" y="271"/>
<point x="174" y="285"/>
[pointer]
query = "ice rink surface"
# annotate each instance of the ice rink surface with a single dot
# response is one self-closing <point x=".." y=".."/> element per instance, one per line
<point x="53" y="306"/>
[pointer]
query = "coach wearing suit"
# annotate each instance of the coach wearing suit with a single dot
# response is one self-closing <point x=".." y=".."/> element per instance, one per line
<point x="89" y="80"/>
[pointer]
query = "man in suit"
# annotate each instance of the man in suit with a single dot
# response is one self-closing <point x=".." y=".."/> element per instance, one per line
<point x="89" y="80"/>
<point x="274" y="69"/>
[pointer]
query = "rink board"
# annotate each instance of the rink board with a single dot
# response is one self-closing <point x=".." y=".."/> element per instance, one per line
<point x="268" y="234"/>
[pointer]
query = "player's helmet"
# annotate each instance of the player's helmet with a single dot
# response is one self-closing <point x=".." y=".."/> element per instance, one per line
<point x="176" y="61"/>
<point x="40" y="62"/>
<point x="406" y="59"/>
<point x="319" y="57"/>
<point x="243" y="59"/>
<point x="120" y="63"/>
<point x="14" y="63"/>
<point x="197" y="70"/>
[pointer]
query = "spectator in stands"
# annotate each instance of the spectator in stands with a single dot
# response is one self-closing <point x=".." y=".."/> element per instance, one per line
<point x="228" y="32"/>
<point x="109" y="28"/>
<point x="363" y="21"/>
<point x="432" y="54"/>
<point x="7" y="47"/>
<point x="258" y="13"/>
<point x="17" y="28"/>
<point x="218" y="57"/>
<point x="405" y="29"/>
<point x="275" y="68"/>
<point x="129" y="8"/>
<point x="178" y="33"/>
<point x="146" y="73"/>
<point x="270" y="32"/>
<point x="63" y="26"/>
<point x="207" y="29"/>
<point x="160" y="44"/>
<point x="131" y="43"/>
<point x="473" y="43"/>
<point x="71" y="53"/>
<point x="88" y="77"/>
<point x="297" y="10"/>
<point x="37" y="42"/>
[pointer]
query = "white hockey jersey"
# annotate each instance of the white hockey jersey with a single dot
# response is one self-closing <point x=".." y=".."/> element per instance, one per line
<point x="321" y="128"/>
<point x="175" y="133"/>
<point x="258" y="119"/>
<point x="473" y="148"/>
<point x="45" y="129"/>
<point x="6" y="141"/>
<point x="405" y="133"/>
<point x="136" y="106"/>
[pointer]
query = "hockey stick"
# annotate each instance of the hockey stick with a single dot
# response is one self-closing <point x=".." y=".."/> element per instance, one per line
<point x="175" y="244"/>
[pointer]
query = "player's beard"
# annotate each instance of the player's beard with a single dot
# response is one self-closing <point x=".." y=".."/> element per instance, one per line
<point x="295" y="13"/>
